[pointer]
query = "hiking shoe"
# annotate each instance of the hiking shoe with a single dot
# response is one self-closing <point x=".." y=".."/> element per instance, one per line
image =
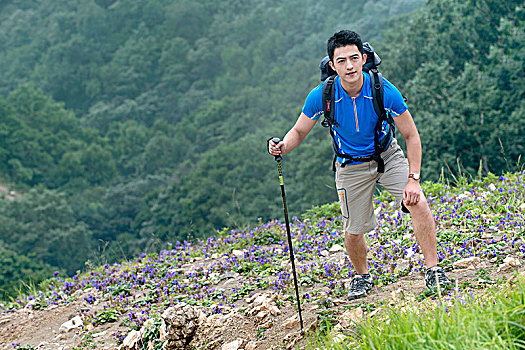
<point x="436" y="275"/>
<point x="359" y="286"/>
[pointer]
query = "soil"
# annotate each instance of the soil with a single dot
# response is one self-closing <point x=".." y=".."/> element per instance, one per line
<point x="40" y="328"/>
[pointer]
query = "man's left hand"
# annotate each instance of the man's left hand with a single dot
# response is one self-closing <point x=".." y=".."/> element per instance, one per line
<point x="411" y="192"/>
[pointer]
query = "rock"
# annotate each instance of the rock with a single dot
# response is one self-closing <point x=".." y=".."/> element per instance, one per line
<point x="230" y="274"/>
<point x="250" y="299"/>
<point x="492" y="187"/>
<point x="179" y="325"/>
<point x="354" y="314"/>
<point x="5" y="320"/>
<point x="262" y="305"/>
<point x="238" y="253"/>
<point x="512" y="261"/>
<point x="274" y="310"/>
<point x="131" y="340"/>
<point x="465" y="263"/>
<point x="234" y="345"/>
<point x="100" y="334"/>
<point x="410" y="253"/>
<point x="514" y="279"/>
<point x="74" y="323"/>
<point x="261" y="315"/>
<point x="509" y="264"/>
<point x="251" y="346"/>
<point x="163" y="333"/>
<point x="336" y="248"/>
<point x="375" y="312"/>
<point x="292" y="322"/>
<point x="267" y="325"/>
<point x="324" y="253"/>
<point x="464" y="195"/>
<point x="261" y="299"/>
<point x="504" y="267"/>
<point x="215" y="320"/>
<point x="397" y="295"/>
<point x="30" y="304"/>
<point x="61" y="336"/>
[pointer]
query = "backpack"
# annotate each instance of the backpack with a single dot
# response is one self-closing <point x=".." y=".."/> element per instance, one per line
<point x="385" y="120"/>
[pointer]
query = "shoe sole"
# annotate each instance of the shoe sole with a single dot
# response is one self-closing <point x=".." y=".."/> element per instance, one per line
<point x="442" y="285"/>
<point x="354" y="297"/>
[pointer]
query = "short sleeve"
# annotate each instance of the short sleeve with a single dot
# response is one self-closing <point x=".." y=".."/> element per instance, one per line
<point x="313" y="105"/>
<point x="392" y="99"/>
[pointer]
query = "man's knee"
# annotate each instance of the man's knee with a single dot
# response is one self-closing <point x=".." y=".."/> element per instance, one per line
<point x="355" y="240"/>
<point x="421" y="208"/>
<point x="354" y="237"/>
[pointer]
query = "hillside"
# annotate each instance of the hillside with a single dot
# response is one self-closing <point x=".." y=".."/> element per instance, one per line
<point x="238" y="289"/>
<point x="129" y="124"/>
<point x="145" y="121"/>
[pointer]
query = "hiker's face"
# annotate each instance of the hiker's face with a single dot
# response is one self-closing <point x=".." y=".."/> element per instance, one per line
<point x="348" y="63"/>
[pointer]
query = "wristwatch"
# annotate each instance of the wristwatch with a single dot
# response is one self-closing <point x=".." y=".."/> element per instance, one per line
<point x="414" y="176"/>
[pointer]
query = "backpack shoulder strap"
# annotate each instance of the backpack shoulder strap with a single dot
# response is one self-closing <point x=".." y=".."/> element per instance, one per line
<point x="328" y="101"/>
<point x="376" y="81"/>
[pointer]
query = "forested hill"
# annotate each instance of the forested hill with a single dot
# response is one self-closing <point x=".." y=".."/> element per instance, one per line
<point x="129" y="124"/>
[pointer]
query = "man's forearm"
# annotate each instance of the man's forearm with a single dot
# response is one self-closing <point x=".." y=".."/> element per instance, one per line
<point x="414" y="153"/>
<point x="292" y="139"/>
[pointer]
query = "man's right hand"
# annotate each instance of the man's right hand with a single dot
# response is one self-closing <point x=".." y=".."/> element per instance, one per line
<point x="275" y="149"/>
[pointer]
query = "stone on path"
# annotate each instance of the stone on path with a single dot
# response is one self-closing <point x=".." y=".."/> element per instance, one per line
<point x="131" y="340"/>
<point x="75" y="322"/>
<point x="466" y="263"/>
<point x="336" y="248"/>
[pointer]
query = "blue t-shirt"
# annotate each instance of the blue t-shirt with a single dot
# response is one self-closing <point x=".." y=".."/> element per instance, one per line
<point x="356" y="117"/>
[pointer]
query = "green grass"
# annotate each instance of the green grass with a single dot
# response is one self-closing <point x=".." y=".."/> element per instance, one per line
<point x="492" y="320"/>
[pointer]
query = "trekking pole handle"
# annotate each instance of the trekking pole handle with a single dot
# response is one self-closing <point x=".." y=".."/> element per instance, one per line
<point x="276" y="140"/>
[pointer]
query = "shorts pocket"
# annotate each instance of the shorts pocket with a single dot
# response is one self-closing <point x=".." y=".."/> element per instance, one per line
<point x="343" y="202"/>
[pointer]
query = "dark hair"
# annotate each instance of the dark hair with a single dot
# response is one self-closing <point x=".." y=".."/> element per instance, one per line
<point x="343" y="38"/>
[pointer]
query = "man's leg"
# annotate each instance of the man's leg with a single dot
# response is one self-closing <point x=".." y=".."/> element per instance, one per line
<point x="362" y="283"/>
<point x="357" y="250"/>
<point x="394" y="181"/>
<point x="355" y="188"/>
<point x="424" y="230"/>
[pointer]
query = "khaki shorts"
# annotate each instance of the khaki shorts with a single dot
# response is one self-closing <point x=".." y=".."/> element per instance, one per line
<point x="356" y="185"/>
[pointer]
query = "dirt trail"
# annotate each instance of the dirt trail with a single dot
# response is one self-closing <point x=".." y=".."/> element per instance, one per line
<point x="41" y="328"/>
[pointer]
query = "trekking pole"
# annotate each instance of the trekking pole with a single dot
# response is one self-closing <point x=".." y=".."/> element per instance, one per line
<point x="278" y="160"/>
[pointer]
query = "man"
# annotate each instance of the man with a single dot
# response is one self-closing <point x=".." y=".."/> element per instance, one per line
<point x="356" y="181"/>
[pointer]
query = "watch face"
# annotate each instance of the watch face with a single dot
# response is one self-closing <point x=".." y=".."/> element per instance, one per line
<point x="414" y="176"/>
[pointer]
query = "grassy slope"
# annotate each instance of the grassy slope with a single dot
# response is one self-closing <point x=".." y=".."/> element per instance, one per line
<point x="484" y="218"/>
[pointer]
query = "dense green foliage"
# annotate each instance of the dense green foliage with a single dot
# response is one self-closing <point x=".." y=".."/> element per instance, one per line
<point x="145" y="121"/>
<point x="464" y="73"/>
